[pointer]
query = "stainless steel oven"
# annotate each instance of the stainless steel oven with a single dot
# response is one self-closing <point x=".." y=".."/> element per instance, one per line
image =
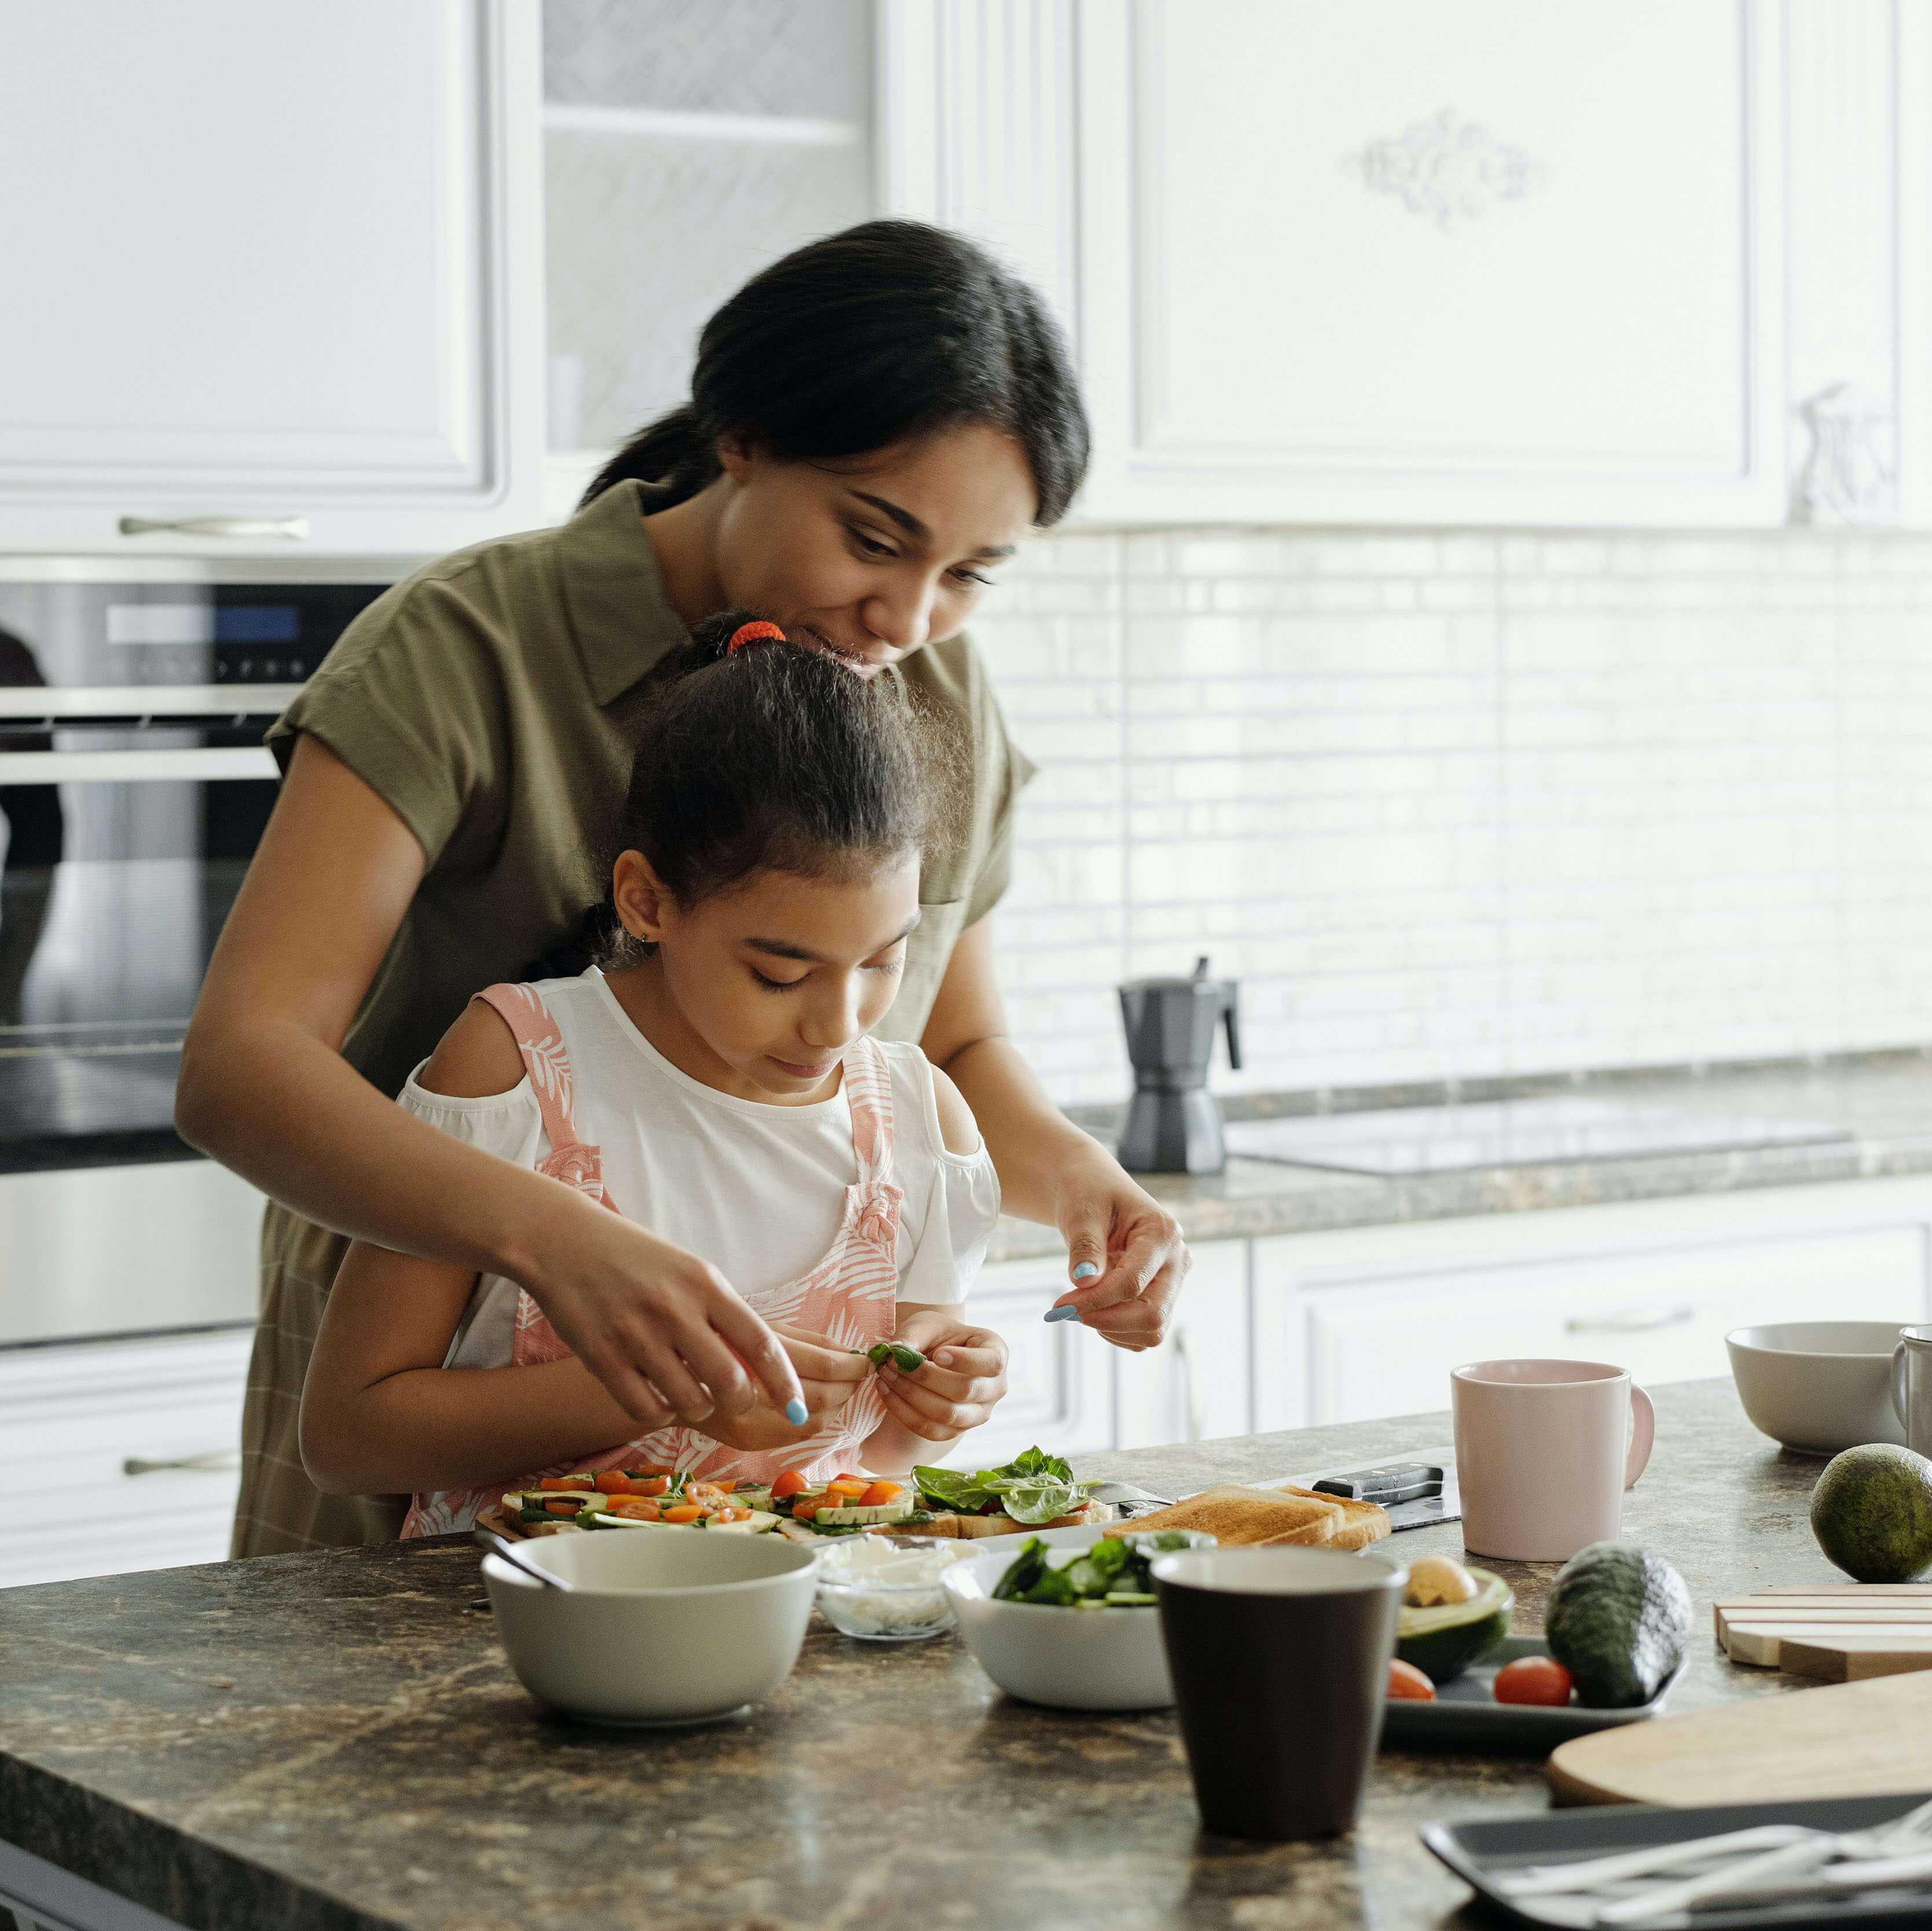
<point x="134" y="789"/>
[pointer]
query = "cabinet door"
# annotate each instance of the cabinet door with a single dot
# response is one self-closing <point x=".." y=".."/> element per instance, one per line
<point x="121" y="1455"/>
<point x="271" y="266"/>
<point x="1197" y="1384"/>
<point x="1059" y="1390"/>
<point x="1498" y="262"/>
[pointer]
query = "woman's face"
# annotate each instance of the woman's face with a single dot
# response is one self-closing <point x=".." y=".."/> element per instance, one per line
<point x="877" y="555"/>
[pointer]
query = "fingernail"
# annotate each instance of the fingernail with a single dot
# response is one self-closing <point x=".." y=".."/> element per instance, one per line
<point x="795" y="1412"/>
<point x="944" y="1357"/>
<point x="1063" y="1313"/>
<point x="1085" y="1271"/>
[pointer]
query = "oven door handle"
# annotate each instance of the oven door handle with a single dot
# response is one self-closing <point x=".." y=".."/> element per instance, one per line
<point x="135" y="767"/>
<point x="290" y="528"/>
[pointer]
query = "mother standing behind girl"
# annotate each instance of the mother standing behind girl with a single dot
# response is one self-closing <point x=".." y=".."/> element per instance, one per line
<point x="875" y="422"/>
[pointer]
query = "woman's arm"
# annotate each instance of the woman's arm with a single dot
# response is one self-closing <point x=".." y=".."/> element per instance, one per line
<point x="1124" y="1248"/>
<point x="265" y="1090"/>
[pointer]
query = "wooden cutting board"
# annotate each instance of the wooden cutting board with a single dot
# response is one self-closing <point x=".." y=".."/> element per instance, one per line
<point x="1838" y="1635"/>
<point x="1850" y="1740"/>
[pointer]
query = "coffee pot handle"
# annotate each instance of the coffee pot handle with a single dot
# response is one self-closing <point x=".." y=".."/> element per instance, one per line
<point x="1234" y="1034"/>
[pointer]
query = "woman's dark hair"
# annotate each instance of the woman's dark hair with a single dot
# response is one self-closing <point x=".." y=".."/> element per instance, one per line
<point x="887" y="331"/>
<point x="773" y="757"/>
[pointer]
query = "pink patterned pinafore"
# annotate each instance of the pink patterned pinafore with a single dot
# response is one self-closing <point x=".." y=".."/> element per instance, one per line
<point x="850" y="1296"/>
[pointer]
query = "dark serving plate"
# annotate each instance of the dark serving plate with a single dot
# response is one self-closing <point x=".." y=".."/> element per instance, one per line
<point x="1481" y="1854"/>
<point x="1466" y="1715"/>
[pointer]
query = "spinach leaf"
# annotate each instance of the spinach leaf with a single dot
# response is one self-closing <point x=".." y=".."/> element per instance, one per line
<point x="1022" y="1573"/>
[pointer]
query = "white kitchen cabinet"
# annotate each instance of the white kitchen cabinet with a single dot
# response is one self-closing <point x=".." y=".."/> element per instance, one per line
<point x="1059" y="1377"/>
<point x="275" y="276"/>
<point x="1357" y="1324"/>
<point x="121" y="1455"/>
<point x="1199" y="1382"/>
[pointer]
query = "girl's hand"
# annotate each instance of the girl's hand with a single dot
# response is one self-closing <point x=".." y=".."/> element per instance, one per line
<point x="663" y="1331"/>
<point x="830" y="1375"/>
<point x="962" y="1381"/>
<point x="1125" y="1252"/>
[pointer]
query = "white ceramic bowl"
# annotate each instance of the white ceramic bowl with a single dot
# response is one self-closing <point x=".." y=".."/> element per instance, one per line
<point x="663" y="1625"/>
<point x="1069" y="1658"/>
<point x="885" y="1590"/>
<point x="1818" y="1386"/>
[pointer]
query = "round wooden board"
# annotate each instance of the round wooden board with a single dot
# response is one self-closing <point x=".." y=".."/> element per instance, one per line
<point x="1850" y="1740"/>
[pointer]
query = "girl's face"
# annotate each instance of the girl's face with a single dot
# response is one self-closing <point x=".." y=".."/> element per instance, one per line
<point x="757" y="990"/>
<point x="874" y="556"/>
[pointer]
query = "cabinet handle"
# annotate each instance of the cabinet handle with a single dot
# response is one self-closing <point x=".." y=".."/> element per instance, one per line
<point x="1631" y="1323"/>
<point x="294" y="528"/>
<point x="1184" y="1357"/>
<point x="211" y="1462"/>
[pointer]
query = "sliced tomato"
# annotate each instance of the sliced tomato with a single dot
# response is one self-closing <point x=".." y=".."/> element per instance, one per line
<point x="646" y="1485"/>
<point x="613" y="1481"/>
<point x="685" y="1512"/>
<point x="789" y="1483"/>
<point x="846" y="1488"/>
<point x="1408" y="1683"/>
<point x="881" y="1491"/>
<point x="644" y="1474"/>
<point x="727" y="1486"/>
<point x="1533" y="1679"/>
<point x="635" y="1508"/>
<point x="804" y="1512"/>
<point x="560" y="1507"/>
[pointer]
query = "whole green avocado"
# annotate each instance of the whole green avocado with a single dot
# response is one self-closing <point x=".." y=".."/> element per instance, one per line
<point x="1872" y="1513"/>
<point x="1618" y="1621"/>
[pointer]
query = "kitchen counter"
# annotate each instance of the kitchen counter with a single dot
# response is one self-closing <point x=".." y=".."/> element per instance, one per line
<point x="1883" y="1101"/>
<point x="335" y="1741"/>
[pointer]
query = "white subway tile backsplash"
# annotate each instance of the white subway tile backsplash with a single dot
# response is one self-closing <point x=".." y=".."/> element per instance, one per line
<point x="1454" y="804"/>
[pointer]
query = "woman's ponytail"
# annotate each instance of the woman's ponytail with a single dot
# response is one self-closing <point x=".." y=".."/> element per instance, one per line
<point x="673" y="450"/>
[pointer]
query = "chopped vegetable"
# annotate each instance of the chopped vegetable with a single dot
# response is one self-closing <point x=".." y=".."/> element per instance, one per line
<point x="1533" y="1679"/>
<point x="846" y="1487"/>
<point x="636" y="1509"/>
<point x="1114" y="1574"/>
<point x="881" y="1491"/>
<point x="684" y="1511"/>
<point x="803" y="1512"/>
<point x="789" y="1483"/>
<point x="904" y="1359"/>
<point x="1407" y="1684"/>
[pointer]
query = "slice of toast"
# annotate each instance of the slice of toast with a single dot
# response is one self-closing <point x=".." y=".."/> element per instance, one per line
<point x="1363" y="1523"/>
<point x="1240" y="1518"/>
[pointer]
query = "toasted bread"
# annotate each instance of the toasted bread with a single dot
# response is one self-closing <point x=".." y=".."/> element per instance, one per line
<point x="971" y="1528"/>
<point x="1247" y="1517"/>
<point x="1363" y="1522"/>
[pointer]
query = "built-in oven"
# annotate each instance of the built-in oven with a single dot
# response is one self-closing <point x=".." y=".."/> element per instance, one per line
<point x="134" y="786"/>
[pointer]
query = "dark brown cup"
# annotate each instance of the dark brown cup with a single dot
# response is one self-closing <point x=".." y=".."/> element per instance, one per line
<point x="1280" y="1662"/>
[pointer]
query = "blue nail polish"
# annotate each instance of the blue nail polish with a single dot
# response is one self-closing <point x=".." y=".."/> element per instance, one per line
<point x="795" y="1412"/>
<point x="1085" y="1271"/>
<point x="1063" y="1313"/>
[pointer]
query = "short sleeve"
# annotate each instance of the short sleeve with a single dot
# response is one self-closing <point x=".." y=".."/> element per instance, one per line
<point x="963" y="1210"/>
<point x="507" y="1124"/>
<point x="412" y="698"/>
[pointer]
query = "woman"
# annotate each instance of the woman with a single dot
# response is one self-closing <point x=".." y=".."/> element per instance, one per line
<point x="875" y="422"/>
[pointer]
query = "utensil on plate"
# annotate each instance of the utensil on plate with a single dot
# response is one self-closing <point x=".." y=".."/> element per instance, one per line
<point x="1280" y="1661"/>
<point x="1817" y="1387"/>
<point x="1544" y="1451"/>
<point x="506" y="1551"/>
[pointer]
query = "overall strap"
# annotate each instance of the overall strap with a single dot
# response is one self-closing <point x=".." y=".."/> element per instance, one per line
<point x="868" y="1095"/>
<point x="545" y="1060"/>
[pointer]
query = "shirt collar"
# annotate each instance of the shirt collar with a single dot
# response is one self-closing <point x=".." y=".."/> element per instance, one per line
<point x="613" y="594"/>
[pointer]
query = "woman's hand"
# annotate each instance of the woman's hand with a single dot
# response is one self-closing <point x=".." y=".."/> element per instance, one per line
<point x="963" y="1380"/>
<point x="830" y="1374"/>
<point x="1124" y="1250"/>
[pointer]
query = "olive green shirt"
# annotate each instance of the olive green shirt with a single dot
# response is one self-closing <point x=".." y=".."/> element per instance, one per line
<point x="491" y="701"/>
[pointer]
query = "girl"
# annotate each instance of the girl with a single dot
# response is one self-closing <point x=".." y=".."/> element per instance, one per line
<point x="718" y="1080"/>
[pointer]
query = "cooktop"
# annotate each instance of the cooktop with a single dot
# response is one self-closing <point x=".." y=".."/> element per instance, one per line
<point x="1394" y="1141"/>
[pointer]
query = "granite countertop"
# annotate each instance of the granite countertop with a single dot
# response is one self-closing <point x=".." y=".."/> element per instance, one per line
<point x="335" y="1741"/>
<point x="1883" y="1101"/>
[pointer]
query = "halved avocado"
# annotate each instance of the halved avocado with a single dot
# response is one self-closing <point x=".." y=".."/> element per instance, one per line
<point x="1443" y="1640"/>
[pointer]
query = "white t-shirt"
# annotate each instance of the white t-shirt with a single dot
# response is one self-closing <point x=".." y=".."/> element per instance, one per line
<point x="758" y="1190"/>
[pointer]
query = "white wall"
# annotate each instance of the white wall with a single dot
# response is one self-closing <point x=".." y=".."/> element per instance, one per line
<point x="1459" y="804"/>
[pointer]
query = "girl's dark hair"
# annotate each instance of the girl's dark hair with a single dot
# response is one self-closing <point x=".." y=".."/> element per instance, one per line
<point x="774" y="757"/>
<point x="889" y="331"/>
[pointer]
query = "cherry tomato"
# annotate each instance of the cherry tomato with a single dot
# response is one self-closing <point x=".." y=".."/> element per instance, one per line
<point x="804" y="1512"/>
<point x="1533" y="1679"/>
<point x="685" y="1512"/>
<point x="613" y="1481"/>
<point x="789" y="1483"/>
<point x="1408" y="1684"/>
<point x="880" y="1492"/>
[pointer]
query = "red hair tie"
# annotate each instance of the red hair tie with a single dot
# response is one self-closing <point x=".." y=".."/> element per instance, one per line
<point x="755" y="632"/>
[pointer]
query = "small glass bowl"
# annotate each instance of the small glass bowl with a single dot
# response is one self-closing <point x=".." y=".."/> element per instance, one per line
<point x="888" y="1591"/>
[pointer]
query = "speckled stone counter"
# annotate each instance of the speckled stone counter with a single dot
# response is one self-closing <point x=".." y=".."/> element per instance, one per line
<point x="1884" y="1101"/>
<point x="336" y="1741"/>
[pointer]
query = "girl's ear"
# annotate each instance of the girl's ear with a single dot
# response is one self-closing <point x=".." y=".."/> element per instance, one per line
<point x="640" y="897"/>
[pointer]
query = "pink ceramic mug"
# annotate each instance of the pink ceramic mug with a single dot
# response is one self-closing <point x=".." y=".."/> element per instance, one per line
<point x="1544" y="1451"/>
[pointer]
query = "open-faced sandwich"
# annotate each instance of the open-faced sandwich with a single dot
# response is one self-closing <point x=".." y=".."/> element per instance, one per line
<point x="633" y="1498"/>
<point x="1238" y="1517"/>
<point x="1034" y="1490"/>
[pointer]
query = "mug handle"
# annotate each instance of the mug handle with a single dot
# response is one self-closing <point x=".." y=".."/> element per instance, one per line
<point x="1898" y="1384"/>
<point x="1643" y="1435"/>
